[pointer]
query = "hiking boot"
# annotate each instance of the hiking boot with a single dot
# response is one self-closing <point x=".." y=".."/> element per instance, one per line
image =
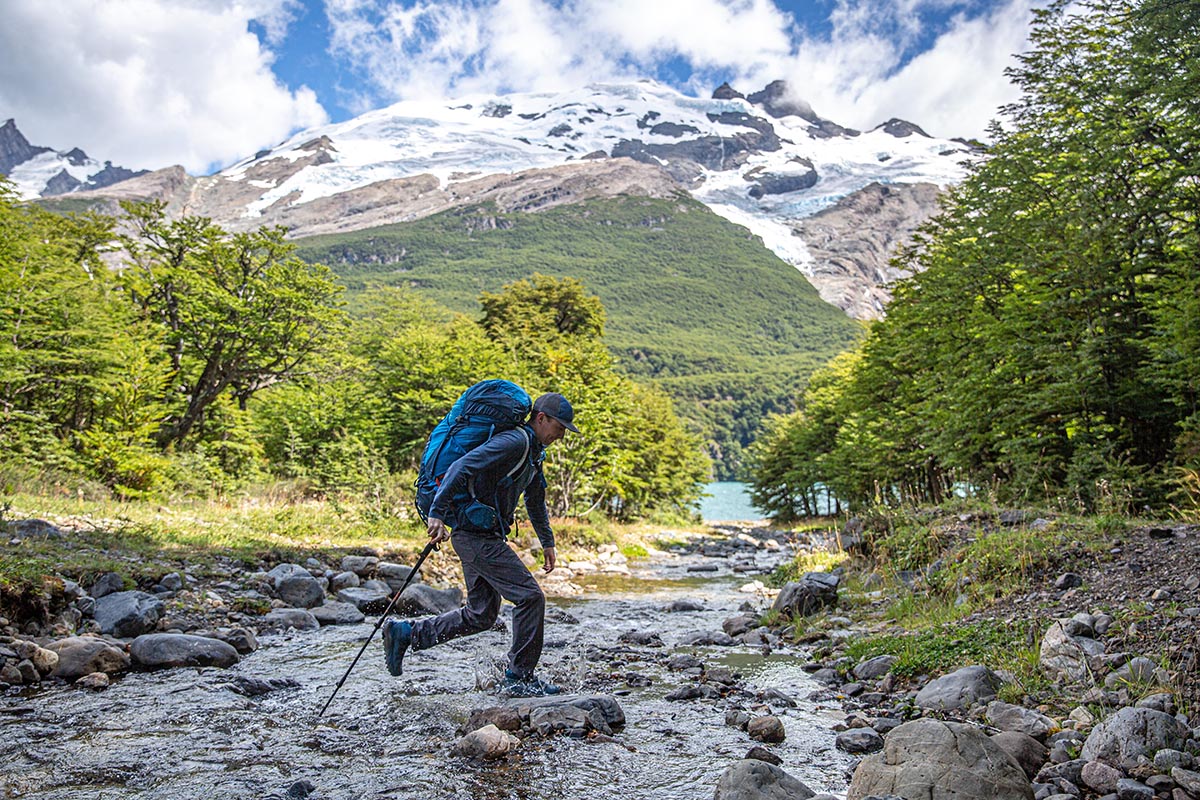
<point x="529" y="686"/>
<point x="397" y="636"/>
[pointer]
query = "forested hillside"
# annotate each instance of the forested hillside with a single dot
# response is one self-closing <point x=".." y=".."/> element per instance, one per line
<point x="1050" y="348"/>
<point x="695" y="303"/>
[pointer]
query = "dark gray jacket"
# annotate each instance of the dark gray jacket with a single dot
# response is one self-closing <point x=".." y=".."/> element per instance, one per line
<point x="497" y="472"/>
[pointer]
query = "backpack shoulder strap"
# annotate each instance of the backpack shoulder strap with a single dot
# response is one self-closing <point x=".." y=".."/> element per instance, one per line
<point x="525" y="455"/>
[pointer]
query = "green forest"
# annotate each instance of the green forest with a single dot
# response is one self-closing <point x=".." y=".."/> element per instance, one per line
<point x="1048" y="350"/>
<point x="697" y="305"/>
<point x="157" y="358"/>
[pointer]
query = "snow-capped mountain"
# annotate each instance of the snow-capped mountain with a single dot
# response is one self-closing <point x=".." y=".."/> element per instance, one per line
<point x="44" y="172"/>
<point x="765" y="161"/>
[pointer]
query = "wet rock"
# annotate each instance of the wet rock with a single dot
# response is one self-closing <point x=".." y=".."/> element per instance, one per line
<point x="690" y="692"/>
<point x="684" y="661"/>
<point x="11" y="675"/>
<point x="714" y="638"/>
<point x="368" y="601"/>
<point x="94" y="681"/>
<point x="873" y="668"/>
<point x="815" y="591"/>
<point x="938" y="760"/>
<point x="241" y="639"/>
<point x="83" y="655"/>
<point x="505" y="718"/>
<point x="752" y="779"/>
<point x="421" y="599"/>
<point x="859" y="740"/>
<point x="363" y="566"/>
<point x="641" y="638"/>
<point x="766" y="728"/>
<point x="29" y="673"/>
<point x="763" y="754"/>
<point x="737" y="718"/>
<point x="1028" y="752"/>
<point x="720" y="675"/>
<point x="394" y="575"/>
<point x="284" y="618"/>
<point x="128" y="614"/>
<point x="1131" y="734"/>
<point x="300" y="790"/>
<point x="251" y="686"/>
<point x="610" y="710"/>
<point x="959" y="690"/>
<point x="1100" y="777"/>
<point x="556" y="614"/>
<point x="1009" y="717"/>
<point x="335" y="612"/>
<point x="572" y="720"/>
<point x="683" y="605"/>
<point x="43" y="660"/>
<point x="167" y="650"/>
<point x="343" y="580"/>
<point x="487" y="743"/>
<point x="739" y="625"/>
<point x="300" y="591"/>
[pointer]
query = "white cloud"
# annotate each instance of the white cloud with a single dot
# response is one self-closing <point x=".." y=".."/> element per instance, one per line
<point x="145" y="83"/>
<point x="860" y="74"/>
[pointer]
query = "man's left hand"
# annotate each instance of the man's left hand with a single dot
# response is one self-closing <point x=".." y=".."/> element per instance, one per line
<point x="548" y="553"/>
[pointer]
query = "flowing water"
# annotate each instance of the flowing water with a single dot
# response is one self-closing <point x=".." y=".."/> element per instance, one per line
<point x="185" y="733"/>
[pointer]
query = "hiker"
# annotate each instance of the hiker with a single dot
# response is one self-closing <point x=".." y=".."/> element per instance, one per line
<point x="500" y="469"/>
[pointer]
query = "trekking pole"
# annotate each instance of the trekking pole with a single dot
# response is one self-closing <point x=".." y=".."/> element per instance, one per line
<point x="428" y="549"/>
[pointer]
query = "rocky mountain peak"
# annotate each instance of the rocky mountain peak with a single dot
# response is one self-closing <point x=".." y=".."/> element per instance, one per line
<point x="901" y="128"/>
<point x="727" y="92"/>
<point x="15" y="148"/>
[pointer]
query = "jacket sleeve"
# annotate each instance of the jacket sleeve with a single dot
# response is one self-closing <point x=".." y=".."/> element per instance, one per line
<point x="497" y="455"/>
<point x="535" y="505"/>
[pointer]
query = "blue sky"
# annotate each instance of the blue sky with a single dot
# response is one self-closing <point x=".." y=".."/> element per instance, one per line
<point x="203" y="83"/>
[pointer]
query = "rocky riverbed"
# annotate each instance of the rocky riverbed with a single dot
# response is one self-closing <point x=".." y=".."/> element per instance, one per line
<point x="676" y="688"/>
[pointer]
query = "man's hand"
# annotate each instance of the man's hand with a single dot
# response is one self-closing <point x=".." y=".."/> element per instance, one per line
<point x="437" y="530"/>
<point x="548" y="553"/>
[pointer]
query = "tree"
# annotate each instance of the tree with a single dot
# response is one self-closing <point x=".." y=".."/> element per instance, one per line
<point x="238" y="311"/>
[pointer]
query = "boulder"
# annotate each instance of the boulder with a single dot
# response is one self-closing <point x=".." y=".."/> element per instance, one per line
<point x="282" y="571"/>
<point x="83" y="655"/>
<point x="1028" y="751"/>
<point x="106" y="584"/>
<point x="128" y="614"/>
<point x="166" y="650"/>
<point x="960" y="689"/>
<point x="859" y="740"/>
<point x="343" y="580"/>
<point x="363" y="566"/>
<point x="334" y="612"/>
<point x="936" y="760"/>
<point x="1133" y="734"/>
<point x="1187" y="780"/>
<point x="815" y="591"/>
<point x="43" y="660"/>
<point x="300" y="591"/>
<point x="393" y="574"/>
<point x="767" y="728"/>
<point x="574" y="721"/>
<point x="487" y="743"/>
<point x="368" y="601"/>
<point x="1100" y="777"/>
<point x="1009" y="717"/>
<point x="296" y="618"/>
<point x="752" y="779"/>
<point x="93" y="680"/>
<point x="33" y="529"/>
<point x="873" y="668"/>
<point x="610" y="709"/>
<point x="715" y="638"/>
<point x="503" y="717"/>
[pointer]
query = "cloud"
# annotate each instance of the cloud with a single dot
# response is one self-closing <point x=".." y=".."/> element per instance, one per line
<point x="146" y="84"/>
<point x="937" y="62"/>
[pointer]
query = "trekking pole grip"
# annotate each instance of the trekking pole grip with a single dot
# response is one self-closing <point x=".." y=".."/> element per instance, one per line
<point x="379" y="624"/>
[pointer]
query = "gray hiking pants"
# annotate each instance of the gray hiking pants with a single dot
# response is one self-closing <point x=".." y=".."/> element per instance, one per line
<point x="492" y="571"/>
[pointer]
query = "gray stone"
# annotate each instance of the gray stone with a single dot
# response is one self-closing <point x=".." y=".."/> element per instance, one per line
<point x="767" y="728"/>
<point x="83" y="655"/>
<point x="394" y="575"/>
<point x="334" y="612"/>
<point x="1070" y="771"/>
<point x="1187" y="780"/>
<point x="363" y="566"/>
<point x="1026" y="750"/>
<point x="368" y="601"/>
<point x="1129" y="789"/>
<point x="736" y="626"/>
<point x="1160" y="701"/>
<point x="737" y="718"/>
<point x="859" y="740"/>
<point x="1167" y="759"/>
<point x="343" y="580"/>
<point x="814" y="592"/>
<point x="1138" y="670"/>
<point x="1009" y="717"/>
<point x="760" y="753"/>
<point x="936" y="760"/>
<point x="568" y="719"/>
<point x="714" y="638"/>
<point x="94" y="681"/>
<point x="609" y="708"/>
<point x="420" y="598"/>
<point x="752" y="779"/>
<point x="1064" y="657"/>
<point x="172" y="581"/>
<point x="487" y="743"/>
<point x="505" y="718"/>
<point x="33" y="529"/>
<point x="1131" y="734"/>
<point x="128" y="614"/>
<point x="642" y="638"/>
<point x="300" y="591"/>
<point x="296" y="618"/>
<point x="874" y="668"/>
<point x="107" y="583"/>
<point x="43" y="660"/>
<point x="960" y="689"/>
<point x="1100" y="777"/>
<point x="281" y="571"/>
<point x="29" y="673"/>
<point x="684" y="605"/>
<point x="166" y="650"/>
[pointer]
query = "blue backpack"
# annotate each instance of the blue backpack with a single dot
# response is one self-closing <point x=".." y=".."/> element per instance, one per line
<point x="480" y="412"/>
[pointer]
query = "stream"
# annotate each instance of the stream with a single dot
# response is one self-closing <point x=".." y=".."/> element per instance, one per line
<point x="185" y="733"/>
